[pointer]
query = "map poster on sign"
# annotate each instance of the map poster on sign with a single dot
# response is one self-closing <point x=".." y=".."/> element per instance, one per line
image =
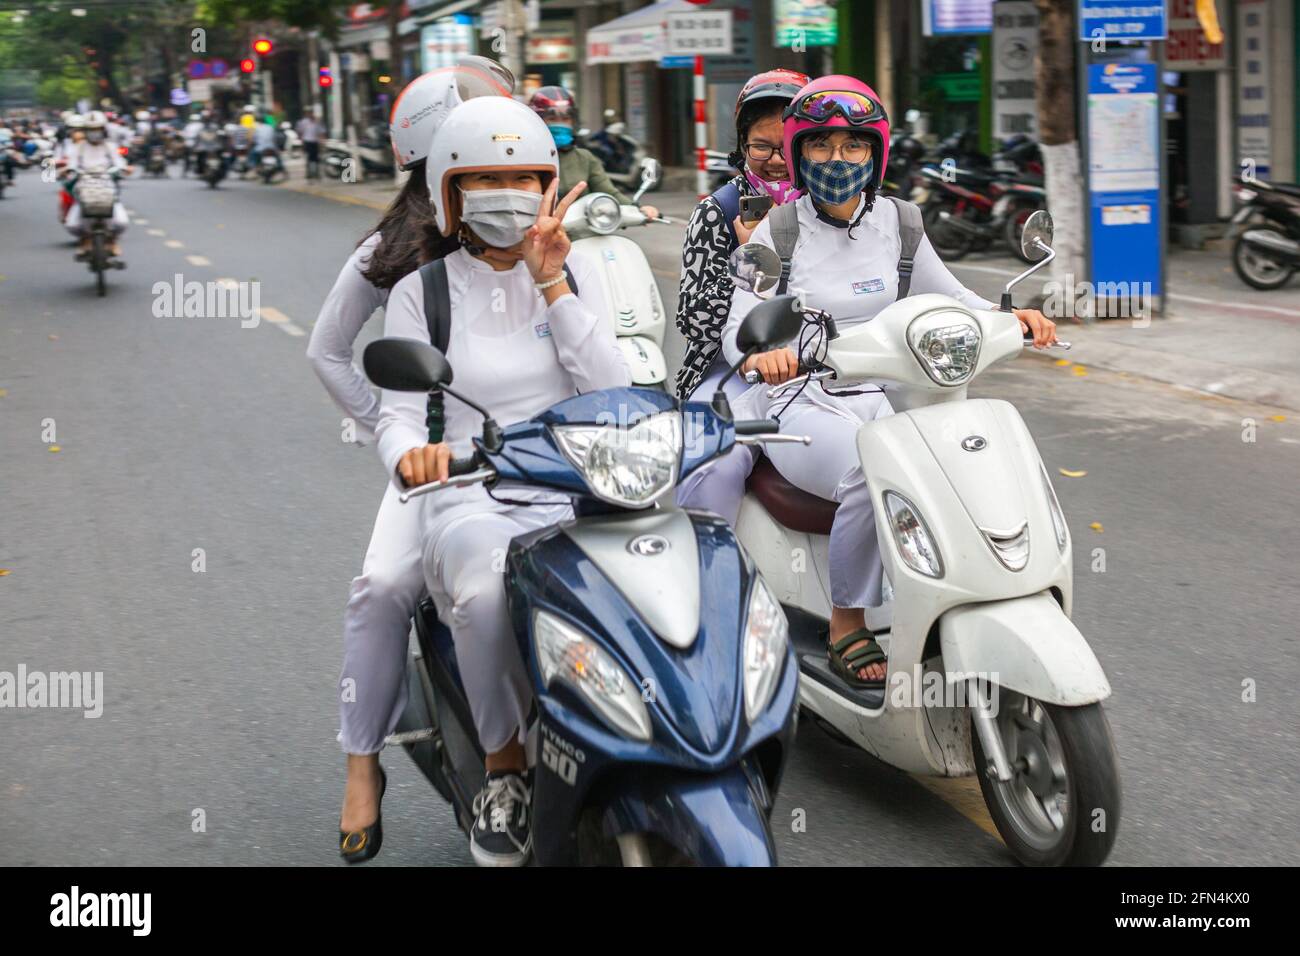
<point x="1015" y="43"/>
<point x="1254" y="144"/>
<point x="1124" y="179"/>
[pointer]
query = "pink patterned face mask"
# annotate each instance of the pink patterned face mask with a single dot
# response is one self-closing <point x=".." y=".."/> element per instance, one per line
<point x="781" y="191"/>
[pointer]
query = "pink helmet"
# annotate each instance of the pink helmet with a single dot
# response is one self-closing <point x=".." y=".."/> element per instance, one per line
<point x="836" y="102"/>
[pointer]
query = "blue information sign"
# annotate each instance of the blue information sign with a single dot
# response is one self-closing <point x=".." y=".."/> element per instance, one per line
<point x="1124" y="177"/>
<point x="676" y="62"/>
<point x="1122" y="19"/>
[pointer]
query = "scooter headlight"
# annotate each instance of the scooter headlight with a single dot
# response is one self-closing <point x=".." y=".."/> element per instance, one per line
<point x="566" y="654"/>
<point x="604" y="214"/>
<point x="767" y="635"/>
<point x="1058" y="516"/>
<point x="947" y="346"/>
<point x="912" y="536"/>
<point x="631" y="467"/>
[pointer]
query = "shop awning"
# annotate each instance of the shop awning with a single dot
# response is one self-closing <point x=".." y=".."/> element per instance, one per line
<point x="635" y="37"/>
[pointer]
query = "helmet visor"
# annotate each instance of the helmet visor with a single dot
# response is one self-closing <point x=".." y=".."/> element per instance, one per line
<point x="857" y="108"/>
<point x="495" y="70"/>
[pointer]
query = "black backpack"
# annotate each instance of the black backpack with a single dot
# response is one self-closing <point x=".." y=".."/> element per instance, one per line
<point x="437" y="316"/>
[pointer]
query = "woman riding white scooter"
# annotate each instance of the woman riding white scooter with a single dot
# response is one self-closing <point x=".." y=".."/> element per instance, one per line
<point x="845" y="262"/>
<point x="383" y="597"/>
<point x="719" y="224"/>
<point x="95" y="154"/>
<point x="519" y="340"/>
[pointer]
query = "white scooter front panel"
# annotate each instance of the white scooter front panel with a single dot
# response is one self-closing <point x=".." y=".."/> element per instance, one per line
<point x="644" y="358"/>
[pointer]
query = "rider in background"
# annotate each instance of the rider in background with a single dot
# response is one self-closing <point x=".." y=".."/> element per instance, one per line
<point x="556" y="106"/>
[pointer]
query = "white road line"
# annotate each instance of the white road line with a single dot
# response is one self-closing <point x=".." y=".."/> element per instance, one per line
<point x="198" y="260"/>
<point x="140" y="222"/>
<point x="174" y="244"/>
<point x="1289" y="313"/>
<point x="155" y="232"/>
<point x="226" y="282"/>
<point x="291" y="329"/>
<point x="272" y="314"/>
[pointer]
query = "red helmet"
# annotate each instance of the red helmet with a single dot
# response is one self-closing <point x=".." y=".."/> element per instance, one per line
<point x="774" y="84"/>
<point x="554" y="103"/>
<point x="836" y="102"/>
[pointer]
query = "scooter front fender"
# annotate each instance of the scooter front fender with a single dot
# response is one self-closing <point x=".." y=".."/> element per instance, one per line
<point x="714" y="819"/>
<point x="1024" y="644"/>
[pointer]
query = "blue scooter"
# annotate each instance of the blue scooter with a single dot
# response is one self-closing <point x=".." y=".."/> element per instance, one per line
<point x="664" y="680"/>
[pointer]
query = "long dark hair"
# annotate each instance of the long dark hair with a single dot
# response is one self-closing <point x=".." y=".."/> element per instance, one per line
<point x="751" y="114"/>
<point x="408" y="235"/>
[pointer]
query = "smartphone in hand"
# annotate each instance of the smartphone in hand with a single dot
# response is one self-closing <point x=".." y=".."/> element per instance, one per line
<point x="754" y="208"/>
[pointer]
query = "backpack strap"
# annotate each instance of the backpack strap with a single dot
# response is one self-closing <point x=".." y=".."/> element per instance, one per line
<point x="911" y="230"/>
<point x="728" y="197"/>
<point x="437" y="317"/>
<point x="783" y="220"/>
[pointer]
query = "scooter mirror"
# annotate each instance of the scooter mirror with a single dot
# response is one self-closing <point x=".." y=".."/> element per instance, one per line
<point x="651" y="171"/>
<point x="1038" y="229"/>
<point x="405" y="365"/>
<point x="911" y="116"/>
<point x="755" y="267"/>
<point x="769" y="324"/>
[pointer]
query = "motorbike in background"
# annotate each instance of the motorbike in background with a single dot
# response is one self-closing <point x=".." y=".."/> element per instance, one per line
<point x="156" y="163"/>
<point x="269" y="167"/>
<point x="1266" y="253"/>
<point x="662" y="674"/>
<point x="638" y="314"/>
<point x="987" y="675"/>
<point x="211" y="165"/>
<point x="619" y="153"/>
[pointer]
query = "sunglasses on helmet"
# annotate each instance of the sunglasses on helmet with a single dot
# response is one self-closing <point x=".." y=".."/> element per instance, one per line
<point x="857" y="108"/>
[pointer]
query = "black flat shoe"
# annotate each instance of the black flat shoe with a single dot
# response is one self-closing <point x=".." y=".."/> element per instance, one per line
<point x="360" y="845"/>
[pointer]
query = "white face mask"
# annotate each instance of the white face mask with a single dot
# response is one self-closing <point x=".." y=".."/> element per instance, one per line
<point x="500" y="217"/>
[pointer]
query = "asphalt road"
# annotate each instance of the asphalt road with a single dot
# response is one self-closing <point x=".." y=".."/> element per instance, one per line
<point x="177" y="434"/>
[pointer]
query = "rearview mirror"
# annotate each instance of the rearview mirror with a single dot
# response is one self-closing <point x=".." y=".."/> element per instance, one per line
<point x="769" y="324"/>
<point x="1038" y="229"/>
<point x="405" y="365"/>
<point x="755" y="267"/>
<point x="651" y="171"/>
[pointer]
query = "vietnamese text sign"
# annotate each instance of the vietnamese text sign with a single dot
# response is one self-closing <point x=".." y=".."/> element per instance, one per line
<point x="1254" y="145"/>
<point x="1122" y="19"/>
<point x="804" y="23"/>
<point x="1187" y="47"/>
<point x="947" y="17"/>
<point x="1015" y="43"/>
<point x="699" y="32"/>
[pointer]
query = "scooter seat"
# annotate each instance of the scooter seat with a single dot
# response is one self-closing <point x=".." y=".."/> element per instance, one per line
<point x="790" y="505"/>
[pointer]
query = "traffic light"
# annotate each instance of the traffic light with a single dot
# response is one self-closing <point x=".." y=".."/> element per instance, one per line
<point x="325" y="79"/>
<point x="261" y="46"/>
<point x="247" y="65"/>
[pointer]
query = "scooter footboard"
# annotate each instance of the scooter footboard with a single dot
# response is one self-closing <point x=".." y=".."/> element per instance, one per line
<point x="715" y="819"/>
<point x="1024" y="644"/>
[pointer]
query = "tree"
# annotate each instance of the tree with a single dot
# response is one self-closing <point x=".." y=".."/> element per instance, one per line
<point x="1058" y="134"/>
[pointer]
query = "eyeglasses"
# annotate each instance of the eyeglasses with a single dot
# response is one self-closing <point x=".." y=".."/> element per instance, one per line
<point x="854" y="151"/>
<point x="762" y="152"/>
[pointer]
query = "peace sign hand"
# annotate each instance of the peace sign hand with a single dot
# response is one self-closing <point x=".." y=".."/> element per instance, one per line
<point x="546" y="244"/>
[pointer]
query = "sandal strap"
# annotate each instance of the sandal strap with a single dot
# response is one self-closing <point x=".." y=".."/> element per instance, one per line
<point x="851" y="638"/>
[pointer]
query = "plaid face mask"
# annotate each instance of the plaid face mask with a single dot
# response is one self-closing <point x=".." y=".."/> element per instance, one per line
<point x="836" y="181"/>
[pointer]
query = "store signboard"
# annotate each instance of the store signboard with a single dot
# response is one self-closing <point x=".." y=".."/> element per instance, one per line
<point x="737" y="66"/>
<point x="1124" y="176"/>
<point x="1254" y="143"/>
<point x="552" y="42"/>
<point x="1015" y="44"/>
<point x="805" y="23"/>
<point x="705" y="32"/>
<point x="445" y="41"/>
<point x="1188" y="49"/>
<point x="1122" y="19"/>
<point x="950" y="17"/>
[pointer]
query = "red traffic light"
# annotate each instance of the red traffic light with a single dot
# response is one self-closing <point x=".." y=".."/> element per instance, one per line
<point x="326" y="80"/>
<point x="262" y="46"/>
<point x="247" y="66"/>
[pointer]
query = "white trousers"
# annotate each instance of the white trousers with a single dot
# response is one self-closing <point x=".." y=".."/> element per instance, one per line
<point x="830" y="468"/>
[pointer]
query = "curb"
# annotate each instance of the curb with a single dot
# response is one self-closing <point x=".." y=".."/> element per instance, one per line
<point x="333" y="194"/>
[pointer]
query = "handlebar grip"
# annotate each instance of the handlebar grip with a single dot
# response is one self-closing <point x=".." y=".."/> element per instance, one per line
<point x="463" y="466"/>
<point x="758" y="426"/>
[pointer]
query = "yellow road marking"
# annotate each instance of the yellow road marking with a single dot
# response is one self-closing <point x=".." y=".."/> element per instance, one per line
<point x="155" y="232"/>
<point x="198" y="260"/>
<point x="174" y="244"/>
<point x="272" y="314"/>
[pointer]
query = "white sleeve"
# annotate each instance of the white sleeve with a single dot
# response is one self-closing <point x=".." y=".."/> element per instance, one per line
<point x="743" y="300"/>
<point x="401" y="424"/>
<point x="929" y="274"/>
<point x="347" y="308"/>
<point x="584" y="335"/>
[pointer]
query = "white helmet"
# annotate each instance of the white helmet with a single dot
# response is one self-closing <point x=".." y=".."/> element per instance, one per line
<point x="76" y="121"/>
<point x="495" y="133"/>
<point x="95" y="119"/>
<point x="142" y="114"/>
<point x="427" y="100"/>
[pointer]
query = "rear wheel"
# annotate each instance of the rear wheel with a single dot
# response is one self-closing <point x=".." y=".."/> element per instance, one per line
<point x="1257" y="268"/>
<point x="98" y="262"/>
<point x="1015" y="227"/>
<point x="949" y="241"/>
<point x="1062" y="806"/>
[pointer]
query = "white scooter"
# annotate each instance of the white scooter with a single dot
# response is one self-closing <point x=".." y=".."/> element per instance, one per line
<point x="973" y="539"/>
<point x="629" y="284"/>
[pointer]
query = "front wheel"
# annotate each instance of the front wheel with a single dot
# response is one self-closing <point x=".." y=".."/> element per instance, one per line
<point x="1062" y="807"/>
<point x="1257" y="268"/>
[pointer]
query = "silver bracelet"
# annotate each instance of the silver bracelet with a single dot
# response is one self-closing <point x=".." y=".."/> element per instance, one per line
<point x="550" y="282"/>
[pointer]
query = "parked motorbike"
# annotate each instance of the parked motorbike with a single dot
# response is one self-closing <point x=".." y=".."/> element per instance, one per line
<point x="719" y="169"/>
<point x="270" y="168"/>
<point x="96" y="195"/>
<point x="977" y="550"/>
<point x="638" y="315"/>
<point x="373" y="151"/>
<point x="619" y="153"/>
<point x="1266" y="253"/>
<point x="664" y="682"/>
